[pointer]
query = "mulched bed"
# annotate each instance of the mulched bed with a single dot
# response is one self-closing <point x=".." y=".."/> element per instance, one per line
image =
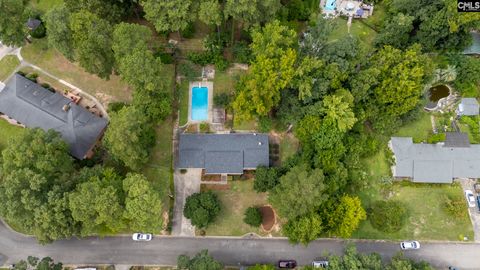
<point x="268" y="217"/>
<point x="205" y="187"/>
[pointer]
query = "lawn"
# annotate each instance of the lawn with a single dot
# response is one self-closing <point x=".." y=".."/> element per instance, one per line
<point x="428" y="220"/>
<point x="288" y="147"/>
<point x="183" y="97"/>
<point x="8" y="131"/>
<point x="365" y="34"/>
<point x="235" y="201"/>
<point x="419" y="129"/>
<point x="7" y="66"/>
<point x="45" y="5"/>
<point x="245" y="125"/>
<point x="55" y="63"/>
<point x="225" y="81"/>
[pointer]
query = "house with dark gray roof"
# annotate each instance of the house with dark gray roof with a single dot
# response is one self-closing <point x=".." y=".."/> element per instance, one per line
<point x="223" y="153"/>
<point x="468" y="106"/>
<point x="36" y="107"/>
<point x="436" y="163"/>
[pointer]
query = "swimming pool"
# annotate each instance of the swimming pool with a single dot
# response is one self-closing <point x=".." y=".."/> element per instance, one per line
<point x="199" y="107"/>
<point x="330" y="4"/>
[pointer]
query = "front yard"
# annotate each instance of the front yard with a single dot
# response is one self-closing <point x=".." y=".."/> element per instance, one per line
<point x="7" y="66"/>
<point x="234" y="202"/>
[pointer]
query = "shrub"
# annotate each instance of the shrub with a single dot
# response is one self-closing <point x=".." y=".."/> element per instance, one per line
<point x="186" y="69"/>
<point x="242" y="52"/>
<point x="183" y="171"/>
<point x="32" y="77"/>
<point x="264" y="124"/>
<point x="204" y="127"/>
<point x="39" y="32"/>
<point x="21" y="73"/>
<point x="388" y="216"/>
<point x="253" y="217"/>
<point x="188" y="31"/>
<point x="221" y="100"/>
<point x="202" y="208"/>
<point x="166" y="58"/>
<point x="116" y="106"/>
<point x="454" y="205"/>
<point x="45" y="85"/>
<point x="435" y="138"/>
<point x="265" y="179"/>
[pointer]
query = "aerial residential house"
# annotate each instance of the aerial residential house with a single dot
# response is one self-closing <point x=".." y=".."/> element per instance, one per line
<point x="36" y="107"/>
<point x="468" y="106"/>
<point x="436" y="163"/>
<point x="223" y="153"/>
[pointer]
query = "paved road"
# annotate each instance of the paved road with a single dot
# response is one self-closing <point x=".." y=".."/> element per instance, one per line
<point x="231" y="251"/>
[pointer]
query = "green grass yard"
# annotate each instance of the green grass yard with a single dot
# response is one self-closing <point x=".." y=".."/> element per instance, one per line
<point x="45" y="5"/>
<point x="55" y="63"/>
<point x="234" y="203"/>
<point x="365" y="34"/>
<point x="288" y="147"/>
<point x="419" y="129"/>
<point x="225" y="81"/>
<point x="183" y="102"/>
<point x="7" y="66"/>
<point x="8" y="131"/>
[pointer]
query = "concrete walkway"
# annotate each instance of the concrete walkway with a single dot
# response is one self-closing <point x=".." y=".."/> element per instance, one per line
<point x="186" y="184"/>
<point x="472" y="211"/>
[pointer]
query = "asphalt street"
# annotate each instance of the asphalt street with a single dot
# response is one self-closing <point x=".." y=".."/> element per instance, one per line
<point x="230" y="251"/>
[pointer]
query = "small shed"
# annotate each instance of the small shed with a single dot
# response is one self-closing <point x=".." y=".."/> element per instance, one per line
<point x="33" y="24"/>
<point x="468" y="106"/>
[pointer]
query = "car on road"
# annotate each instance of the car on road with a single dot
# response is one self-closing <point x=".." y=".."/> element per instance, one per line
<point x="478" y="202"/>
<point x="409" y="245"/>
<point x="142" y="237"/>
<point x="470" y="198"/>
<point x="320" y="264"/>
<point x="288" y="264"/>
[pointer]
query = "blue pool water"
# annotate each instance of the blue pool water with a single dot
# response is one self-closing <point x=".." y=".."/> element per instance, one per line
<point x="199" y="103"/>
<point x="330" y="4"/>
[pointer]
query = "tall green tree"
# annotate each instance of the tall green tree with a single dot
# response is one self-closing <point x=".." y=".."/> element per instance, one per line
<point x="202" y="208"/>
<point x="210" y="12"/>
<point x="143" y="205"/>
<point x="271" y="71"/>
<point x="397" y="31"/>
<point x="345" y="217"/>
<point x="98" y="204"/>
<point x="129" y="36"/>
<point x="59" y="34"/>
<point x="169" y="15"/>
<point x="304" y="229"/>
<point x="92" y="39"/>
<point x="300" y="192"/>
<point x="12" y="22"/>
<point x="129" y="137"/>
<point x="110" y="10"/>
<point x="338" y="113"/>
<point x="35" y="176"/>
<point x="201" y="261"/>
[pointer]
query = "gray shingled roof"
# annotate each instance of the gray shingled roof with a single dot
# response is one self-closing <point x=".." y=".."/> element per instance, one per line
<point x="37" y="107"/>
<point x="468" y="106"/>
<point x="33" y="23"/>
<point x="434" y="163"/>
<point x="457" y="139"/>
<point x="223" y="153"/>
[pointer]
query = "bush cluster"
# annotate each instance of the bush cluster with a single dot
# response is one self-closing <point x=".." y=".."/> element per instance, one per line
<point x="388" y="216"/>
<point x="253" y="216"/>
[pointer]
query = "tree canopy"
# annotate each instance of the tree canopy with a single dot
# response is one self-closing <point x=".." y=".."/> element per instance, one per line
<point x="12" y="22"/>
<point x="59" y="34"/>
<point x="169" y="15"/>
<point x="201" y="261"/>
<point x="202" y="208"/>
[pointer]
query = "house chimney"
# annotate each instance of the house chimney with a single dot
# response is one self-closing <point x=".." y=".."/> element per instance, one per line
<point x="66" y="107"/>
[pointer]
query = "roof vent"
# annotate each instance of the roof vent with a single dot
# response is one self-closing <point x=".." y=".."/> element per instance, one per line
<point x="259" y="143"/>
<point x="66" y="107"/>
<point x="254" y="134"/>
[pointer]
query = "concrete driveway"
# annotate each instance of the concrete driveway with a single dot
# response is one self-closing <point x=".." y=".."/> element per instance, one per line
<point x="185" y="185"/>
<point x="473" y="212"/>
<point x="5" y="50"/>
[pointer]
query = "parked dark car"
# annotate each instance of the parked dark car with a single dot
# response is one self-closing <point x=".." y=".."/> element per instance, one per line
<point x="289" y="264"/>
<point x="478" y="202"/>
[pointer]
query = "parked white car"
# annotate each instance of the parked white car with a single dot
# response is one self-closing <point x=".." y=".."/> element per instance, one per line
<point x="320" y="264"/>
<point x="410" y="245"/>
<point x="141" y="237"/>
<point x="470" y="198"/>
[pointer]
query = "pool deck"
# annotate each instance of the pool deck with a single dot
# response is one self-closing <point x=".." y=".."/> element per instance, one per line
<point x="209" y="85"/>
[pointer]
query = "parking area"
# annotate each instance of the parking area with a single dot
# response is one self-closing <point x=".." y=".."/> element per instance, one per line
<point x="474" y="213"/>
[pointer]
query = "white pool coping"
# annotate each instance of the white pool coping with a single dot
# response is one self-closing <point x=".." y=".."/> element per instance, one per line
<point x="209" y="86"/>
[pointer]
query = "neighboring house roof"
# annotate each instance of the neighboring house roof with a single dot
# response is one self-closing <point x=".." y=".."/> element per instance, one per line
<point x="37" y="107"/>
<point x="223" y="153"/>
<point x="435" y="163"/>
<point x="468" y="106"/>
<point x="32" y="24"/>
